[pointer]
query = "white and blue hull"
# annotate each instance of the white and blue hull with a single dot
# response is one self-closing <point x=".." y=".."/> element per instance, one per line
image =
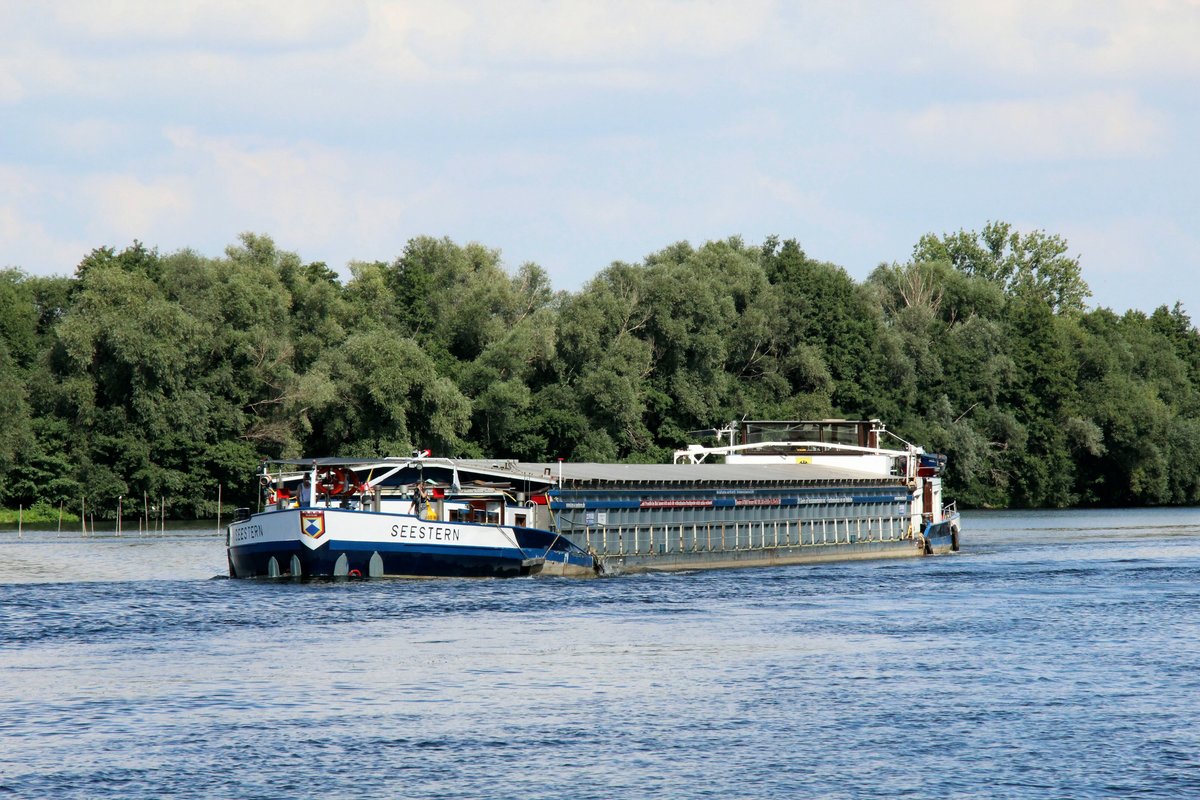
<point x="334" y="542"/>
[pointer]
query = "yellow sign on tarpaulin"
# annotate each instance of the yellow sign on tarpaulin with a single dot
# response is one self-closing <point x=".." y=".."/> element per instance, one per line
<point x="803" y="460"/>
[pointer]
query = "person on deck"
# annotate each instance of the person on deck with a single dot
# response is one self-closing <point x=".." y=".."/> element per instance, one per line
<point x="420" y="501"/>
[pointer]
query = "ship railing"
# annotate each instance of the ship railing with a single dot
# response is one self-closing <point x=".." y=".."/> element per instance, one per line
<point x="714" y="537"/>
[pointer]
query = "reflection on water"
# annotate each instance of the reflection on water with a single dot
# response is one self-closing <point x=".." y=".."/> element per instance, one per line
<point x="1054" y="657"/>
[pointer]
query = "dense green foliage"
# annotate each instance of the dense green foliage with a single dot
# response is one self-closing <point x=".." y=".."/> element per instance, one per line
<point x="166" y="375"/>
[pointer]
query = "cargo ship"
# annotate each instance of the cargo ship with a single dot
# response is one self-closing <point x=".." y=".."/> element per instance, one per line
<point x="783" y="492"/>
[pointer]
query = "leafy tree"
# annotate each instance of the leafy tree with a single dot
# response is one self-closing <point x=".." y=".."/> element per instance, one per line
<point x="385" y="397"/>
<point x="1034" y="264"/>
<point x="604" y="361"/>
<point x="14" y="409"/>
<point x="823" y="307"/>
<point x="19" y="320"/>
<point x="168" y="374"/>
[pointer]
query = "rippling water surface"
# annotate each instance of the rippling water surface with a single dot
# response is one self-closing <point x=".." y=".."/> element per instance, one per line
<point x="1057" y="656"/>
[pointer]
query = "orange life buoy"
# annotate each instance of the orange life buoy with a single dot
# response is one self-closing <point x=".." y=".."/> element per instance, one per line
<point x="334" y="481"/>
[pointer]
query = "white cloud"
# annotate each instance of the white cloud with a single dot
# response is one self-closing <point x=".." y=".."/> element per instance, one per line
<point x="260" y="49"/>
<point x="152" y="53"/>
<point x="127" y="207"/>
<point x="25" y="243"/>
<point x="210" y="24"/>
<point x="91" y="135"/>
<point x="1062" y="128"/>
<point x="1138" y="261"/>
<point x="17" y="184"/>
<point x="615" y="32"/>
<point x="807" y="207"/>
<point x="11" y="88"/>
<point x="579" y="131"/>
<point x="535" y="43"/>
<point x="29" y="66"/>
<point x="1072" y="39"/>
<point x="307" y="195"/>
<point x="385" y="49"/>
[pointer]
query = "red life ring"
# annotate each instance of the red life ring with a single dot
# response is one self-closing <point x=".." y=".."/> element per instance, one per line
<point x="334" y="481"/>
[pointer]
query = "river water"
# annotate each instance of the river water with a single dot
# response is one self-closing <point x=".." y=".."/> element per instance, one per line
<point x="1057" y="656"/>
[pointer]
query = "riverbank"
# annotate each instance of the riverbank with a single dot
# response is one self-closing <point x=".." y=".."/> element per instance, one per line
<point x="37" y="514"/>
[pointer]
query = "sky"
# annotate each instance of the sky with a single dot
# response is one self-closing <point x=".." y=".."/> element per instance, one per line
<point x="575" y="134"/>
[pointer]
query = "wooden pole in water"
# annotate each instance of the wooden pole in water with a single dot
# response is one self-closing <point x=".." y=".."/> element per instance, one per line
<point x="119" y="499"/>
<point x="218" y="508"/>
<point x="162" y="510"/>
<point x="146" y="512"/>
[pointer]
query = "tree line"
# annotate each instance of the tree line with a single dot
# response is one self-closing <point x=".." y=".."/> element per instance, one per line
<point x="146" y="374"/>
